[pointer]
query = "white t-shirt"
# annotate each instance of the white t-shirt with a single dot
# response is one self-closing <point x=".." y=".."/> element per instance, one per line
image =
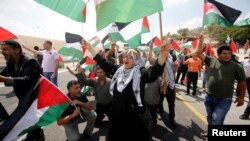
<point x="49" y="60"/>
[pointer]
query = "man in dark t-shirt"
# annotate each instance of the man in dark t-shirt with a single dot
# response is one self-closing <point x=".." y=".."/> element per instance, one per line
<point x="38" y="56"/>
<point x="79" y="111"/>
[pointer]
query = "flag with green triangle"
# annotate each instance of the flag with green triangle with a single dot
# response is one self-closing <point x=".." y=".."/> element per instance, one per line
<point x="156" y="44"/>
<point x="114" y="34"/>
<point x="124" y="11"/>
<point x="132" y="32"/>
<point x="107" y="43"/>
<point x="43" y="105"/>
<point x="95" y="41"/>
<point x="6" y="35"/>
<point x="73" y="9"/>
<point x="88" y="63"/>
<point x="218" y="13"/>
<point x="175" y="45"/>
<point x="233" y="46"/>
<point x="73" y="47"/>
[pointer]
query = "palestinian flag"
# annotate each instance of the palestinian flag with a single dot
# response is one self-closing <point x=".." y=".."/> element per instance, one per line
<point x="244" y="22"/>
<point x="73" y="9"/>
<point x="6" y="35"/>
<point x="228" y="39"/>
<point x="218" y="13"/>
<point x="156" y="44"/>
<point x="88" y="64"/>
<point x="194" y="42"/>
<point x="124" y="11"/>
<point x="42" y="106"/>
<point x="60" y="59"/>
<point x="95" y="41"/>
<point x="132" y="32"/>
<point x="73" y="47"/>
<point x="85" y="90"/>
<point x="233" y="46"/>
<point x="191" y="44"/>
<point x="175" y="45"/>
<point x="106" y="42"/>
<point x="145" y="25"/>
<point x="114" y="34"/>
<point x="208" y="50"/>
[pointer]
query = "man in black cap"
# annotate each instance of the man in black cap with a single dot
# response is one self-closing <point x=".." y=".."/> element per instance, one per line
<point x="22" y="73"/>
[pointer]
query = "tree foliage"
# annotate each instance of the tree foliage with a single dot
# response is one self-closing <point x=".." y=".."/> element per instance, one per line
<point x="239" y="34"/>
<point x="216" y="33"/>
<point x="183" y="32"/>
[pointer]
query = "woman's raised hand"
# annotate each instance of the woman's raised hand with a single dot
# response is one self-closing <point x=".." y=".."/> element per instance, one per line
<point x="164" y="50"/>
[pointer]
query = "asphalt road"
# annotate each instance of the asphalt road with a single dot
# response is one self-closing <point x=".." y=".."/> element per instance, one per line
<point x="190" y="116"/>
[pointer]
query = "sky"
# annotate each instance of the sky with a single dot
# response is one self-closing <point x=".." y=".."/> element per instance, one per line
<point x="26" y="17"/>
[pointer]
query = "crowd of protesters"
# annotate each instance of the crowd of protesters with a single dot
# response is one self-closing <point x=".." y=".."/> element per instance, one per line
<point x="128" y="84"/>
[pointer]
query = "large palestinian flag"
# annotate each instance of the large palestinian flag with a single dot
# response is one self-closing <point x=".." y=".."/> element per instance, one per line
<point x="218" y="13"/>
<point x="73" y="9"/>
<point x="6" y="35"/>
<point x="124" y="11"/>
<point x="41" y="106"/>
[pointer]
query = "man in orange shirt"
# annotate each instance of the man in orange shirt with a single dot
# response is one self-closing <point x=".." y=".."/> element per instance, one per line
<point x="194" y="66"/>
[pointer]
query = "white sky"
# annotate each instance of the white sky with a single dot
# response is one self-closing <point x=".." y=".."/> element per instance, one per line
<point x="26" y="17"/>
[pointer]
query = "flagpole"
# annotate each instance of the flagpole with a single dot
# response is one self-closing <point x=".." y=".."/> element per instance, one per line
<point x="164" y="83"/>
<point x="160" y="25"/>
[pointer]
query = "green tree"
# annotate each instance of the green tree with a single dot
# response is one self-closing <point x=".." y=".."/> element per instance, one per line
<point x="239" y="34"/>
<point x="183" y="32"/>
<point x="195" y="32"/>
<point x="214" y="31"/>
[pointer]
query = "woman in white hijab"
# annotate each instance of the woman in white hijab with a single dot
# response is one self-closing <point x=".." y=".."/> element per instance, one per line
<point x="127" y="88"/>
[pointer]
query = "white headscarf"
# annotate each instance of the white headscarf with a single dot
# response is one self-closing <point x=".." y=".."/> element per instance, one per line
<point x="123" y="77"/>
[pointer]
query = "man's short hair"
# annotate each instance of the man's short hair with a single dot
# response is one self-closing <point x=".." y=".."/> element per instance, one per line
<point x="98" y="68"/>
<point x="12" y="43"/>
<point x="71" y="83"/>
<point x="223" y="47"/>
<point x="48" y="42"/>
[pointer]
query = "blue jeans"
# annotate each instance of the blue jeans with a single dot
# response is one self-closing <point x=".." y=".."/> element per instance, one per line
<point x="51" y="77"/>
<point x="217" y="109"/>
<point x="204" y="79"/>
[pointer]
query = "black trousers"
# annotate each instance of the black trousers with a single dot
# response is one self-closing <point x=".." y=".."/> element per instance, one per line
<point x="3" y="113"/>
<point x="101" y="110"/>
<point x="192" y="78"/>
<point x="182" y="70"/>
<point x="170" y="96"/>
<point x="153" y="111"/>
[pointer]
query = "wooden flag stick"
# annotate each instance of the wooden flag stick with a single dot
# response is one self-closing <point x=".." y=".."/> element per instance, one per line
<point x="164" y="82"/>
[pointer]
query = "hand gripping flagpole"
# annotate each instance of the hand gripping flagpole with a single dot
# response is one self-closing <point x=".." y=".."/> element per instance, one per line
<point x="164" y="82"/>
<point x="55" y="86"/>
